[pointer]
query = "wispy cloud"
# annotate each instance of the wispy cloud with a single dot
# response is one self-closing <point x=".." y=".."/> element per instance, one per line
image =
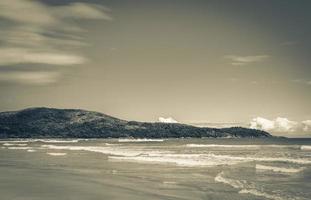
<point x="29" y="78"/>
<point x="245" y="60"/>
<point x="10" y="56"/>
<point x="289" y="43"/>
<point x="38" y="33"/>
<point x="302" y="81"/>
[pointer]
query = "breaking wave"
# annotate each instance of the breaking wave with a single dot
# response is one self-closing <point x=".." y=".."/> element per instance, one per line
<point x="140" y="140"/>
<point x="56" y="141"/>
<point x="163" y="156"/>
<point x="261" y="194"/>
<point x="245" y="188"/>
<point x="251" y="146"/>
<point x="14" y="144"/>
<point x="305" y="147"/>
<point x="20" y="148"/>
<point x="186" y="160"/>
<point x="109" y="144"/>
<point x="107" y="150"/>
<point x="56" y="154"/>
<point x="279" y="169"/>
<point x="222" y="146"/>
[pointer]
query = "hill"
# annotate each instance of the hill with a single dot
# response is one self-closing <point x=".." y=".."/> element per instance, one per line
<point x="76" y="123"/>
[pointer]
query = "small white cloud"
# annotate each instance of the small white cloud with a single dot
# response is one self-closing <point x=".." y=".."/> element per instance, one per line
<point x="279" y="124"/>
<point x="262" y="123"/>
<point x="306" y="125"/>
<point x="29" y="78"/>
<point x="244" y="60"/>
<point x="167" y="120"/>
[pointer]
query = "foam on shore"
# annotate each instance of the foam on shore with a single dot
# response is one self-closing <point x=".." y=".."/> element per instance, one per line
<point x="279" y="169"/>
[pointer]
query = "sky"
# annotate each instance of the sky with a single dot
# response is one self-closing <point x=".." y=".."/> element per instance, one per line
<point x="209" y="62"/>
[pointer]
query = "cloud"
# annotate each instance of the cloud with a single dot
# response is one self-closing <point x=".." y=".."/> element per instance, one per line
<point x="24" y="11"/>
<point x="306" y="125"/>
<point x="83" y="11"/>
<point x="167" y="120"/>
<point x="217" y="124"/>
<point x="10" y="56"/>
<point x="289" y="43"/>
<point x="280" y="124"/>
<point x="302" y="81"/>
<point x="38" y="33"/>
<point x="29" y="78"/>
<point x="245" y="60"/>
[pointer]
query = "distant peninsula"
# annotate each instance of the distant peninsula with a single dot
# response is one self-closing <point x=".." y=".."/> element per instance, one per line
<point x="75" y="123"/>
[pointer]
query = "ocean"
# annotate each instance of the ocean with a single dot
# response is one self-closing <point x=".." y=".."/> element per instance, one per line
<point x="134" y="169"/>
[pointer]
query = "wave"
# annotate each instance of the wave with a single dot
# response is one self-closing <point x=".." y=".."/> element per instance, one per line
<point x="161" y="156"/>
<point x="233" y="183"/>
<point x="185" y="160"/>
<point x="251" y="146"/>
<point x="20" y="148"/>
<point x="222" y="146"/>
<point x="245" y="188"/>
<point x="56" y="154"/>
<point x="169" y="182"/>
<point x="109" y="144"/>
<point x="14" y="144"/>
<point x="305" y="147"/>
<point x="14" y="141"/>
<point x="260" y="194"/>
<point x="264" y="159"/>
<point x="117" y="151"/>
<point x="279" y="169"/>
<point x="55" y="141"/>
<point x="210" y="159"/>
<point x="140" y="140"/>
<point x="42" y="140"/>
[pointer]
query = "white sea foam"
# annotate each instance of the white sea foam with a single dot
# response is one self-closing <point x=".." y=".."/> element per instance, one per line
<point x="109" y="144"/>
<point x="251" y="146"/>
<point x="260" y="194"/>
<point x="56" y="141"/>
<point x="222" y="146"/>
<point x="169" y="182"/>
<point x="20" y="148"/>
<point x="42" y="140"/>
<point x="244" y="187"/>
<point x="14" y="144"/>
<point x="140" y="140"/>
<point x="264" y="159"/>
<point x="186" y="160"/>
<point x="279" y="169"/>
<point x="31" y="150"/>
<point x="160" y="156"/>
<point x="56" y="154"/>
<point x="233" y="183"/>
<point x="116" y="151"/>
<point x="305" y="147"/>
<point x="14" y="141"/>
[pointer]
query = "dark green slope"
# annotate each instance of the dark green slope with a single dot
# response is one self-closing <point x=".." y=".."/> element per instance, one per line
<point x="72" y="123"/>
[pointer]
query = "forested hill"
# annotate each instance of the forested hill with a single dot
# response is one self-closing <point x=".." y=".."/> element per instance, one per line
<point x="75" y="123"/>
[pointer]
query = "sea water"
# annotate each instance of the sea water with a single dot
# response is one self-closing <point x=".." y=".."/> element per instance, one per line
<point x="79" y="169"/>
